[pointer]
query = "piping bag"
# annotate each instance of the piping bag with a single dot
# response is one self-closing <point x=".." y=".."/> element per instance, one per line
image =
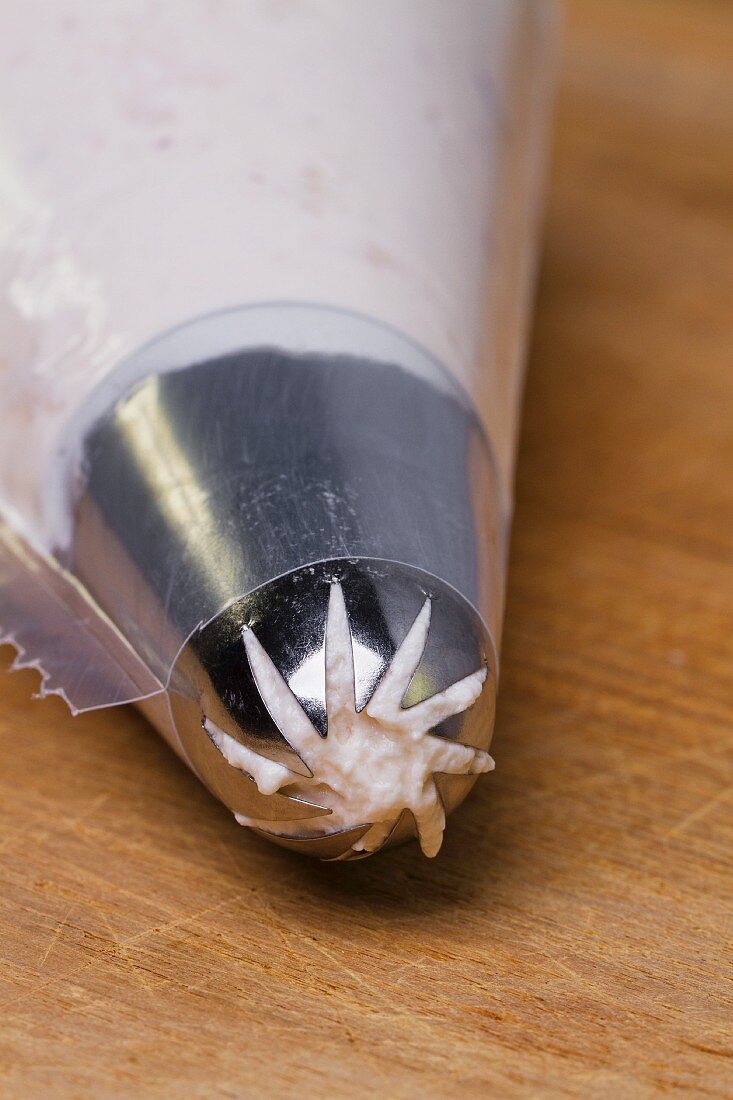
<point x="265" y="275"/>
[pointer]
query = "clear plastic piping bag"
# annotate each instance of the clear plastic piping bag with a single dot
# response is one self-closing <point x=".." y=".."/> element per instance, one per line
<point x="329" y="210"/>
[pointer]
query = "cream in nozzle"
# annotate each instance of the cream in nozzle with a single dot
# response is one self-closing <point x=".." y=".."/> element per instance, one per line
<point x="373" y="764"/>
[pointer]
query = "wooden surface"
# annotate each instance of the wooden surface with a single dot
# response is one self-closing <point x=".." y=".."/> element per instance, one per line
<point x="570" y="939"/>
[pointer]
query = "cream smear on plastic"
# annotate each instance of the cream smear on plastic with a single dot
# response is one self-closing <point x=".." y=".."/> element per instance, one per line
<point x="373" y="764"/>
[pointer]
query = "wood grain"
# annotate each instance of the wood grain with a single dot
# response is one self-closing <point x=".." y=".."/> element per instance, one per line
<point x="570" y="939"/>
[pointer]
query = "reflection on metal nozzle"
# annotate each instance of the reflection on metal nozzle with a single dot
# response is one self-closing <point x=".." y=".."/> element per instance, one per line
<point x="230" y="491"/>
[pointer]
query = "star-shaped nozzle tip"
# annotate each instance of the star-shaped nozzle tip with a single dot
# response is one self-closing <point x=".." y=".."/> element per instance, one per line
<point x="340" y="708"/>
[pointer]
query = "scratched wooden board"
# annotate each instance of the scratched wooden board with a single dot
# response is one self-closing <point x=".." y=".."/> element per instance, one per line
<point x="570" y="939"/>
